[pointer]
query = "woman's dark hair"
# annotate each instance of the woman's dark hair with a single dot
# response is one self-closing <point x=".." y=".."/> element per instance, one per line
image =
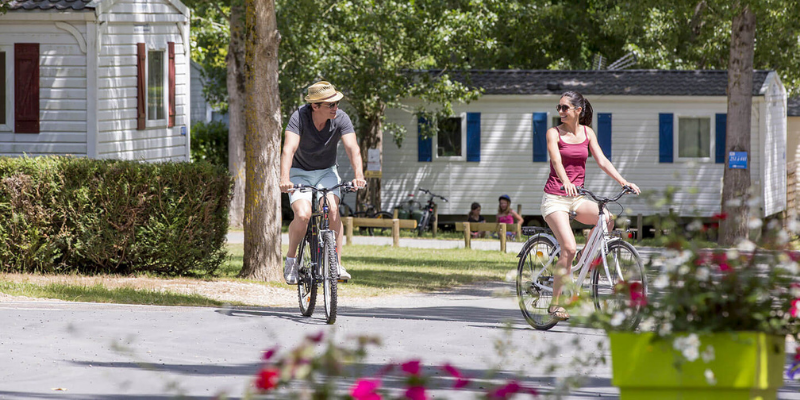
<point x="475" y="206"/>
<point x="577" y="100"/>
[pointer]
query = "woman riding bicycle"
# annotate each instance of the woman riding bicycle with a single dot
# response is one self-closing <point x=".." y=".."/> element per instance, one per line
<point x="568" y="145"/>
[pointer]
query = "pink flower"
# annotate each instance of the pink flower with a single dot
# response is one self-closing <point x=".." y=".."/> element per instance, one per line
<point x="795" y="310"/>
<point x="454" y="372"/>
<point x="512" y="387"/>
<point x="269" y="353"/>
<point x="366" y="389"/>
<point x="720" y="216"/>
<point x="315" y="338"/>
<point x="797" y="353"/>
<point x="638" y="297"/>
<point x="416" y="393"/>
<point x="724" y="267"/>
<point x="411" y="367"/>
<point x="267" y="379"/>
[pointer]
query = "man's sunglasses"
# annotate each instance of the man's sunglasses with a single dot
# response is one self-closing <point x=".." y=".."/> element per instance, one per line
<point x="559" y="107"/>
<point x="330" y="105"/>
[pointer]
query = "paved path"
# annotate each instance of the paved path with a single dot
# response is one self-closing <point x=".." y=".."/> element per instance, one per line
<point x="63" y="350"/>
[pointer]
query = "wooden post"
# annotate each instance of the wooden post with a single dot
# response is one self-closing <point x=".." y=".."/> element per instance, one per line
<point x="348" y="223"/>
<point x="519" y="225"/>
<point x="503" y="238"/>
<point x="435" y="221"/>
<point x="639" y="227"/>
<point x="467" y="236"/>
<point x="396" y="232"/>
<point x="394" y="215"/>
<point x="657" y="225"/>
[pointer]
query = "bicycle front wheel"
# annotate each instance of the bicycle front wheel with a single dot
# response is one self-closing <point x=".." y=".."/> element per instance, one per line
<point x="624" y="267"/>
<point x="306" y="285"/>
<point x="423" y="223"/>
<point x="535" y="271"/>
<point x="330" y="276"/>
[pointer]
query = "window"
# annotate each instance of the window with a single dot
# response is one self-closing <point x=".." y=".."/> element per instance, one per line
<point x="449" y="138"/>
<point x="694" y="137"/>
<point x="155" y="85"/>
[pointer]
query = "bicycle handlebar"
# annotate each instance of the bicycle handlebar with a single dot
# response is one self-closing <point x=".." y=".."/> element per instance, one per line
<point x="583" y="191"/>
<point x="433" y="194"/>
<point x="347" y="186"/>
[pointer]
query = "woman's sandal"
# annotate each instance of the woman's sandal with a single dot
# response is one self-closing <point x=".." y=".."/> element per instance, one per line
<point x="558" y="313"/>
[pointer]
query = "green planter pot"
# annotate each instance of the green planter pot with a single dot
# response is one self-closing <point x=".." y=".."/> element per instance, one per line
<point x="746" y="365"/>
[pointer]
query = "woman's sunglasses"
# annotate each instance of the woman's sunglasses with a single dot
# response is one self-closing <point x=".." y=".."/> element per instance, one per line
<point x="559" y="107"/>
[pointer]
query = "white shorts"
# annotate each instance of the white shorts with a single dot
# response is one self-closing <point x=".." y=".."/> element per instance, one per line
<point x="553" y="202"/>
<point x="328" y="177"/>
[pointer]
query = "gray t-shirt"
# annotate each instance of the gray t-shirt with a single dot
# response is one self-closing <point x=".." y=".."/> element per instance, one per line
<point x="317" y="149"/>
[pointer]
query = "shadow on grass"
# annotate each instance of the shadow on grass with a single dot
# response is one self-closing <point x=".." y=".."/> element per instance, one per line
<point x="100" y="294"/>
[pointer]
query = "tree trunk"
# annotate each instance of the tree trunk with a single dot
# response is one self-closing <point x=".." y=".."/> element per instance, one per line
<point x="262" y="204"/>
<point x="736" y="182"/>
<point x="237" y="125"/>
<point x="371" y="137"/>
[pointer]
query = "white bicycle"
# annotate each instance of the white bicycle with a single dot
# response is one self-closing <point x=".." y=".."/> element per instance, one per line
<point x="620" y="262"/>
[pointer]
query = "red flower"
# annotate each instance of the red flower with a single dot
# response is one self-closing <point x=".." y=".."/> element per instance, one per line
<point x="416" y="393"/>
<point x="795" y="310"/>
<point x="411" y="367"/>
<point x="269" y="353"/>
<point x="638" y="296"/>
<point x="724" y="267"/>
<point x="720" y="216"/>
<point x="797" y="353"/>
<point x="366" y="389"/>
<point x="267" y="379"/>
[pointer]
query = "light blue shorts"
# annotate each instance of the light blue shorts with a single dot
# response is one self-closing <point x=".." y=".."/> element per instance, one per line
<point x="320" y="178"/>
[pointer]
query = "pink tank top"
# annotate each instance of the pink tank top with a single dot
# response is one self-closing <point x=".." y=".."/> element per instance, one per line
<point x="573" y="158"/>
<point x="505" y="219"/>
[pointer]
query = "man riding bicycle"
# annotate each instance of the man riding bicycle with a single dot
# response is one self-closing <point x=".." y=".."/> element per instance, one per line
<point x="309" y="158"/>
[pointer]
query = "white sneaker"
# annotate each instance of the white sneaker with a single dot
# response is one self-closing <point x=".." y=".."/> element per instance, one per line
<point x="290" y="271"/>
<point x="343" y="275"/>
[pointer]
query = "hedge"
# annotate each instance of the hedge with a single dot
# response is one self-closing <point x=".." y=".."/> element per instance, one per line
<point x="69" y="214"/>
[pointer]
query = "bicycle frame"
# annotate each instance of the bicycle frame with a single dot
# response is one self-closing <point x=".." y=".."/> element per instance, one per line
<point x="318" y="225"/>
<point x="598" y="242"/>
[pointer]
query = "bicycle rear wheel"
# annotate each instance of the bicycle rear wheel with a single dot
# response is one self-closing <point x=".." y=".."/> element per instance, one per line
<point x="625" y="266"/>
<point x="330" y="276"/>
<point x="533" y="300"/>
<point x="363" y="230"/>
<point x="306" y="285"/>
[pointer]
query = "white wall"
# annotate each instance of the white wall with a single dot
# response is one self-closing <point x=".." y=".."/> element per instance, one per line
<point x="506" y="165"/>
<point x="129" y="22"/>
<point x="62" y="89"/>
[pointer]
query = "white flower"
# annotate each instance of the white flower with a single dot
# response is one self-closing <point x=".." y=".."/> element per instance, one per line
<point x="792" y="268"/>
<point x="665" y="329"/>
<point x="783" y="237"/>
<point x="688" y="346"/>
<point x="683" y="270"/>
<point x="695" y="225"/>
<point x="710" y="377"/>
<point x="708" y="354"/>
<point x="746" y="246"/>
<point x="795" y="292"/>
<point x="754" y="202"/>
<point x="732" y="254"/>
<point x="702" y="274"/>
<point x="793" y="225"/>
<point x="755" y="223"/>
<point x="511" y="276"/>
<point x="647" y="325"/>
<point x="661" y="282"/>
<point x="734" y="202"/>
<point x="618" y="318"/>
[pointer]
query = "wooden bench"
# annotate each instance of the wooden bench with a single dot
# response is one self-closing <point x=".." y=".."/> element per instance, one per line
<point x="469" y="227"/>
<point x="395" y="224"/>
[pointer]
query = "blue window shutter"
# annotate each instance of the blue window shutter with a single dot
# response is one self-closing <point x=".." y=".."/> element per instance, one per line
<point x="604" y="133"/>
<point x="474" y="137"/>
<point x="722" y="121"/>
<point x="539" y="137"/>
<point x="665" y="123"/>
<point x="424" y="146"/>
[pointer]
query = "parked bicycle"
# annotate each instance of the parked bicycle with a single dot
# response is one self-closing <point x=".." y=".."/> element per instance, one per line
<point x="372" y="212"/>
<point x="316" y="257"/>
<point x="609" y="259"/>
<point x="428" y="218"/>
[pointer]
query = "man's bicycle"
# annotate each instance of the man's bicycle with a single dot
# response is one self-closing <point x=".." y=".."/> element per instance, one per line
<point x="428" y="218"/>
<point x="316" y="258"/>
<point x="609" y="259"/>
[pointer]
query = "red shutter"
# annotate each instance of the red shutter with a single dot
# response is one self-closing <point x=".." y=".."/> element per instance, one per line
<point x="171" y="99"/>
<point x="26" y="87"/>
<point x="141" y="105"/>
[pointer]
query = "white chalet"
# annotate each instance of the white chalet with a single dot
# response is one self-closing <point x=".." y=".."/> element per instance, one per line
<point x="95" y="78"/>
<point x="658" y="128"/>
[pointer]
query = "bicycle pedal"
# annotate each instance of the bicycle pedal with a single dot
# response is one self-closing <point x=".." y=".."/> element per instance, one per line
<point x="342" y="280"/>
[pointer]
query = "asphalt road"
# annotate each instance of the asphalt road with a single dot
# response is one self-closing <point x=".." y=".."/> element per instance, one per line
<point x="60" y="350"/>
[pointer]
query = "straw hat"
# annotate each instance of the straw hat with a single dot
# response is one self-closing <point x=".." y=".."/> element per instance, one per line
<point x="323" y="92"/>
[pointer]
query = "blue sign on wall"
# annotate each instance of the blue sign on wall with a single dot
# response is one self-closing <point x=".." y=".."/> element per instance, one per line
<point x="183" y="131"/>
<point x="737" y="160"/>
